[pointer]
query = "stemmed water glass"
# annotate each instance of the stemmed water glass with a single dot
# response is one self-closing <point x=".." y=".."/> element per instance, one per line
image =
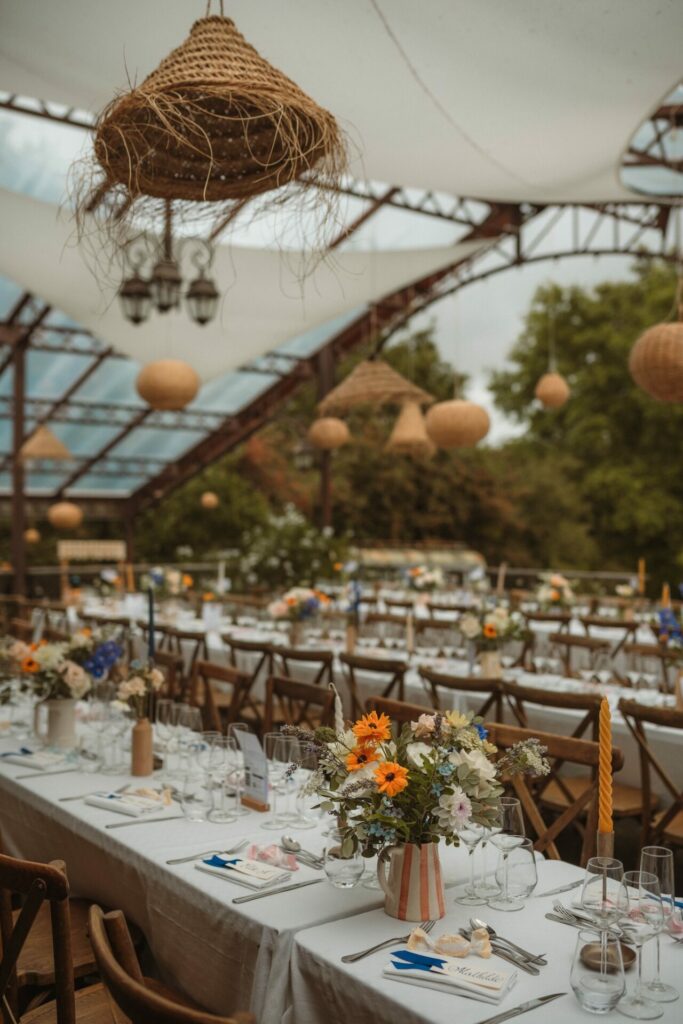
<point x="603" y="897"/>
<point x="659" y="861"/>
<point x="163" y="729"/>
<point x="506" y="836"/>
<point x="516" y="873"/>
<point x="236" y="765"/>
<point x="307" y="762"/>
<point x="218" y="770"/>
<point x="643" y="920"/>
<point x="470" y="835"/>
<point x="278" y="750"/>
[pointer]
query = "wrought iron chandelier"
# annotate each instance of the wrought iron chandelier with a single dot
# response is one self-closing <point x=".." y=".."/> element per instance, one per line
<point x="163" y="288"/>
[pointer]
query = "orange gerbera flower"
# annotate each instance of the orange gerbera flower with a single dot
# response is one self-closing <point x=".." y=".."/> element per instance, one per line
<point x="29" y="665"/>
<point x="338" y="566"/>
<point x="391" y="778"/>
<point x="359" y="757"/>
<point x="373" y="729"/>
<point x="187" y="580"/>
<point x="490" y="632"/>
<point x="554" y="595"/>
<point x="208" y="596"/>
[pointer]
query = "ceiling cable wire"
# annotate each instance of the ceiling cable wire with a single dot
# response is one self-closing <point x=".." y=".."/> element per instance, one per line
<point x="439" y="105"/>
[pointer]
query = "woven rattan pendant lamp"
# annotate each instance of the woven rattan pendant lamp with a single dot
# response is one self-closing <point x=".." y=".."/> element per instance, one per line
<point x="656" y="359"/>
<point x="372" y="382"/>
<point x="552" y="390"/>
<point x="44" y="445"/>
<point x="168" y="384"/>
<point x="64" y="515"/>
<point x="409" y="435"/>
<point x="328" y="433"/>
<point x="214" y="122"/>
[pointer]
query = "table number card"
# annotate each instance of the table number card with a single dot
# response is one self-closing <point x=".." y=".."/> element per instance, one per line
<point x="255" y="771"/>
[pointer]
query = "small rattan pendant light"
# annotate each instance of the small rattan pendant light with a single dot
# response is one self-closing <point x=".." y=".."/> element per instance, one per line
<point x="328" y="433"/>
<point x="44" y="445"/>
<point x="656" y="359"/>
<point x="409" y="435"/>
<point x="552" y="390"/>
<point x="209" y="500"/>
<point x="168" y="384"/>
<point x="64" y="515"/>
<point x="457" y="423"/>
<point x="372" y="382"/>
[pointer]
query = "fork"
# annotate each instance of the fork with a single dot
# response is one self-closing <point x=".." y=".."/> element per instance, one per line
<point x="205" y="853"/>
<point x="351" y="958"/>
<point x="93" y="792"/>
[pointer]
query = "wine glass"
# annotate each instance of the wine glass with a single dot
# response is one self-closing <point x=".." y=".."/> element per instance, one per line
<point x="522" y="875"/>
<point x="236" y="763"/>
<point x="507" y="838"/>
<point x="470" y="835"/>
<point x="643" y="920"/>
<point x="603" y="896"/>
<point x="659" y="861"/>
<point x="307" y="762"/>
<point x="219" y="771"/>
<point x="163" y="728"/>
<point x="278" y="749"/>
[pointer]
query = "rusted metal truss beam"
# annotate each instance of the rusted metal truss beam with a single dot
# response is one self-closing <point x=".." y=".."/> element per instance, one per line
<point x="86" y="466"/>
<point x="47" y="111"/>
<point x="111" y="466"/>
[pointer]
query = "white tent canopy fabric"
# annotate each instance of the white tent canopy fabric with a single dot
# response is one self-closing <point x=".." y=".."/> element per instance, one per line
<point x="531" y="100"/>
<point x="266" y="303"/>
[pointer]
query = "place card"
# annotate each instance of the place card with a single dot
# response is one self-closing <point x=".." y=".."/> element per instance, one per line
<point x="447" y="973"/>
<point x="255" y="794"/>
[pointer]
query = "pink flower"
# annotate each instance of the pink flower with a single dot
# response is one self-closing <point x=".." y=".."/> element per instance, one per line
<point x="423" y="729"/>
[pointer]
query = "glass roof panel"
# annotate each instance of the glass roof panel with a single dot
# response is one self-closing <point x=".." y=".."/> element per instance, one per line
<point x="119" y="486"/>
<point x="50" y="374"/>
<point x="84" y="440"/>
<point x="229" y="393"/>
<point x="113" y="381"/>
<point x="162" y="444"/>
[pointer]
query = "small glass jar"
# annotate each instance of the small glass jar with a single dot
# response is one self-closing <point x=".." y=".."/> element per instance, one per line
<point x="597" y="975"/>
<point x="342" y="860"/>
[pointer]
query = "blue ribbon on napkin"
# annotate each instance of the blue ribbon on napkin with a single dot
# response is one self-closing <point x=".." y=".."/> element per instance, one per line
<point x="416" y="961"/>
<point x="221" y="862"/>
<point x="17" y="753"/>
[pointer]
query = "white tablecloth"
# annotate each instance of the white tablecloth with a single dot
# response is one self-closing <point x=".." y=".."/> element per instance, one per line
<point x="226" y="957"/>
<point x="324" y="989"/>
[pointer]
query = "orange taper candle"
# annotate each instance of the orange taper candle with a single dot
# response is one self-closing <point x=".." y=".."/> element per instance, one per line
<point x="605" y="769"/>
<point x="641" y="576"/>
<point x="666" y="596"/>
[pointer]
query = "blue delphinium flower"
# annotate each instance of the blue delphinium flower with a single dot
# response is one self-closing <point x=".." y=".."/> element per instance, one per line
<point x="483" y="733"/>
<point x="446" y="769"/>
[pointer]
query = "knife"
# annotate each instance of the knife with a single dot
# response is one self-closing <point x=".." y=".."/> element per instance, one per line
<point x="41" y="775"/>
<point x="143" y="821"/>
<point x="507" y="954"/>
<point x="274" y="892"/>
<point x="561" y="888"/>
<point x="524" y="1008"/>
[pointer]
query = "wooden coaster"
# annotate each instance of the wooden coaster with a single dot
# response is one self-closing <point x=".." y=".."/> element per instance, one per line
<point x="254" y="805"/>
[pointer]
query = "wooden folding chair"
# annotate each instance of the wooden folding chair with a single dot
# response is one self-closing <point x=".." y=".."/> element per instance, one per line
<point x="568" y="644"/>
<point x="661" y="657"/>
<point x="171" y="664"/>
<point x="55" y="635"/>
<point x="141" y="1000"/>
<point x="286" y="659"/>
<point x="561" y="618"/>
<point x="491" y="689"/>
<point x="260" y="656"/>
<point x="569" y="751"/>
<point x="388" y="672"/>
<point x="404" y="604"/>
<point x="190" y="644"/>
<point x="557" y="791"/>
<point x="399" y="711"/>
<point x="44" y="945"/>
<point x="667" y="826"/>
<point x="622" y="629"/>
<point x="435" y="631"/>
<point x="302" y="704"/>
<point x="385" y="626"/>
<point x="223" y="703"/>
<point x="21" y="629"/>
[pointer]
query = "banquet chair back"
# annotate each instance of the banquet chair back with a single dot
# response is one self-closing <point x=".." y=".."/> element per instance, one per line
<point x="35" y="883"/>
<point x="405" y="604"/>
<point x="289" y="702"/>
<point x="120" y="971"/>
<point x="568" y="645"/>
<point x="21" y="629"/>
<point x="55" y="635"/>
<point x="399" y="711"/>
<point x="655" y="656"/>
<point x="386" y="672"/>
<point x="221" y="692"/>
<point x="491" y="690"/>
<point x="259" y="656"/>
<point x="621" y="629"/>
<point x="434" y="631"/>
<point x="171" y="664"/>
<point x="520" y="696"/>
<point x="667" y="826"/>
<point x="190" y="644"/>
<point x="385" y="626"/>
<point x="561" y="618"/>
<point x="568" y="750"/>
<point x="293" y="661"/>
<point x="437" y="608"/>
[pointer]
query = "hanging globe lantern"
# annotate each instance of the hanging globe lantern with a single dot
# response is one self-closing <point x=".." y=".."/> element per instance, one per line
<point x="31" y="536"/>
<point x="656" y="362"/>
<point x="209" y="499"/>
<point x="552" y="390"/>
<point x="409" y="435"/>
<point x="167" y="384"/>
<point x="328" y="433"/>
<point x="44" y="445"/>
<point x="64" y="515"/>
<point x="457" y="423"/>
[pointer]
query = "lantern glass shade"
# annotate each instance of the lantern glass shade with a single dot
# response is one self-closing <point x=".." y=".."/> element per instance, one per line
<point x="167" y="384"/>
<point x="64" y="515"/>
<point x="202" y="299"/>
<point x="165" y="285"/>
<point x="135" y="296"/>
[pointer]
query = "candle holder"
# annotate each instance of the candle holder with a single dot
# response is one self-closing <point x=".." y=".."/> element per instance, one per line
<point x="604" y="846"/>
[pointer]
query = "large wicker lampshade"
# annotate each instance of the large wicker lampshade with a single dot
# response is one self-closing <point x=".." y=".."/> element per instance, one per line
<point x="656" y="362"/>
<point x="214" y="122"/>
<point x="209" y="499"/>
<point x="457" y="423"/>
<point x="328" y="433"/>
<point x="64" y="515"/>
<point x="44" y="445"/>
<point x="31" y="536"/>
<point x="372" y="382"/>
<point x="167" y="384"/>
<point x="552" y="390"/>
<point x="409" y="435"/>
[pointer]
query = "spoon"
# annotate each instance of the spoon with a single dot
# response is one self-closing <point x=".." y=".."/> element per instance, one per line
<point x="292" y="845"/>
<point x="476" y="922"/>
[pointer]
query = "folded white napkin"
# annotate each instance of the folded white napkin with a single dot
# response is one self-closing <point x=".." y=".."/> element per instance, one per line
<point x="41" y="760"/>
<point x="250" y="873"/>
<point x="449" y="974"/>
<point x="124" y="803"/>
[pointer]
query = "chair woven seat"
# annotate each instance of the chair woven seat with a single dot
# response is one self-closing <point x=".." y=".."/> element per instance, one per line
<point x="626" y="800"/>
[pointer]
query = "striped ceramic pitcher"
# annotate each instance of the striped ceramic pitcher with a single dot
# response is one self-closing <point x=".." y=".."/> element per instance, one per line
<point x="413" y="886"/>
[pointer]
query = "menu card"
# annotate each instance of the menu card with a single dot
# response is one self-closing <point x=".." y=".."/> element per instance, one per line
<point x="255" y="771"/>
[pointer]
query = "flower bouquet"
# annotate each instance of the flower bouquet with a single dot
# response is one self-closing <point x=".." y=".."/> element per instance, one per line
<point x="488" y="631"/>
<point x="94" y="651"/>
<point x="296" y="606"/>
<point x="426" y="580"/>
<point x="137" y="691"/>
<point x="47" y="670"/>
<point x="410" y="791"/>
<point x="554" y="591"/>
